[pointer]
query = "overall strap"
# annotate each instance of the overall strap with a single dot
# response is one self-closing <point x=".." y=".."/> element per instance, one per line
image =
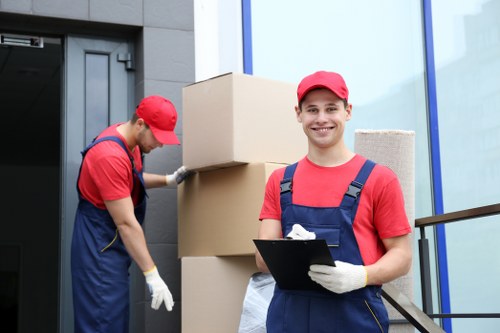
<point x="351" y="196"/>
<point x="286" y="186"/>
<point x="119" y="142"/>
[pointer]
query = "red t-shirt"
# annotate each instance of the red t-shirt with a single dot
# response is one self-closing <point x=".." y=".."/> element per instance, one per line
<point x="381" y="212"/>
<point x="107" y="172"/>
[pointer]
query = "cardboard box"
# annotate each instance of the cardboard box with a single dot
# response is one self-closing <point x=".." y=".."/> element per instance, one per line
<point x="235" y="118"/>
<point x="213" y="290"/>
<point x="218" y="210"/>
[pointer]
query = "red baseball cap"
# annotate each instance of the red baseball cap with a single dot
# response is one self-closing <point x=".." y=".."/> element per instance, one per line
<point x="160" y="115"/>
<point x="322" y="79"/>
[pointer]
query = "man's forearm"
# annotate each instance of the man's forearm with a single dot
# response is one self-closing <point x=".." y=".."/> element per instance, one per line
<point x="152" y="180"/>
<point x="131" y="233"/>
<point x="395" y="263"/>
<point x="135" y="243"/>
<point x="261" y="265"/>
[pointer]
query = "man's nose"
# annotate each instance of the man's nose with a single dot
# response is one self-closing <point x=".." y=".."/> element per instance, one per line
<point x="321" y="115"/>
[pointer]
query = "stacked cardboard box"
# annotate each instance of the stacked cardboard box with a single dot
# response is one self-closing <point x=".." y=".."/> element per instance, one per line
<point x="219" y="209"/>
<point x="237" y="129"/>
<point x="236" y="118"/>
<point x="213" y="290"/>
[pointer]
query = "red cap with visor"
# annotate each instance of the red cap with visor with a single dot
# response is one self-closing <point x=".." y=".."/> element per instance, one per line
<point x="160" y="115"/>
<point x="322" y="79"/>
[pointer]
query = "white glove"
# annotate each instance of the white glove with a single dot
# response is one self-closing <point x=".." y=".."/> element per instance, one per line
<point x="178" y="176"/>
<point x="158" y="289"/>
<point x="340" y="279"/>
<point x="298" y="232"/>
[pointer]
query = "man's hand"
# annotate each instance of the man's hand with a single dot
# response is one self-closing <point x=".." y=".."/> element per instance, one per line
<point x="342" y="278"/>
<point x="158" y="289"/>
<point x="298" y="232"/>
<point x="178" y="176"/>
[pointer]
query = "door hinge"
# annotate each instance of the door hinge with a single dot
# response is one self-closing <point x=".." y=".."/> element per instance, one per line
<point x="127" y="59"/>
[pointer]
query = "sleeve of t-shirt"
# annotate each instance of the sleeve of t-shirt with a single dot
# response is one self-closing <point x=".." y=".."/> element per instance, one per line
<point x="271" y="208"/>
<point x="112" y="176"/>
<point x="390" y="217"/>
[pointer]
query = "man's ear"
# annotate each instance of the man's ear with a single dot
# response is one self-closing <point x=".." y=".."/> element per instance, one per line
<point x="348" y="111"/>
<point x="140" y="122"/>
<point x="297" y="113"/>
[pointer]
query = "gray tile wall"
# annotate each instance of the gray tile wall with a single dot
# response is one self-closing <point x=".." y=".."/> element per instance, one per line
<point x="168" y="65"/>
<point x="74" y="9"/>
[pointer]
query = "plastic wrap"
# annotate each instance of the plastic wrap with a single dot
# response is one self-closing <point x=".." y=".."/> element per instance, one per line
<point x="259" y="292"/>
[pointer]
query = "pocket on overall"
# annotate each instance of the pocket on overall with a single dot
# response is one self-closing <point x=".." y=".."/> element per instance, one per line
<point x="329" y="232"/>
<point x="378" y="313"/>
<point x="106" y="234"/>
<point x="110" y="243"/>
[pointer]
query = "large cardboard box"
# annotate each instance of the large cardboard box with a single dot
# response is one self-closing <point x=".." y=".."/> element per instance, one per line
<point x="218" y="210"/>
<point x="237" y="118"/>
<point x="213" y="290"/>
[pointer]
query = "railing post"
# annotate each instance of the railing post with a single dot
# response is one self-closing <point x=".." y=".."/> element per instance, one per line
<point x="425" y="272"/>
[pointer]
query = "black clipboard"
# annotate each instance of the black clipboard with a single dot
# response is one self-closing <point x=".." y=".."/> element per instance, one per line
<point x="288" y="260"/>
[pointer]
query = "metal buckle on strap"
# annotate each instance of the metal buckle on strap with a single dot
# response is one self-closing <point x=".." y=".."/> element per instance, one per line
<point x="286" y="186"/>
<point x="354" y="189"/>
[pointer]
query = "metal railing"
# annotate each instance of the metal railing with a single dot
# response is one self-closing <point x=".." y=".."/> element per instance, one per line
<point x="424" y="252"/>
<point x="423" y="319"/>
<point x="410" y="311"/>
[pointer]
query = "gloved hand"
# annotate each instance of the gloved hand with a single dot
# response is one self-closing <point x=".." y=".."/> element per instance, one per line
<point x="298" y="232"/>
<point x="158" y="289"/>
<point x="178" y="176"/>
<point x="340" y="279"/>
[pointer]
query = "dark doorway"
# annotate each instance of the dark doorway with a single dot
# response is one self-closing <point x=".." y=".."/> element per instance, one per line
<point x="30" y="110"/>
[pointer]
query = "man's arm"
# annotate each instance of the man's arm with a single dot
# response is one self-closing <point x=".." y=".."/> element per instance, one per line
<point x="269" y="229"/>
<point x="394" y="263"/>
<point x="131" y="233"/>
<point x="152" y="180"/>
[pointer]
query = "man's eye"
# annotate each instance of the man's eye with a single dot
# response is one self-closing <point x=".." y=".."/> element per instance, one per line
<point x="312" y="110"/>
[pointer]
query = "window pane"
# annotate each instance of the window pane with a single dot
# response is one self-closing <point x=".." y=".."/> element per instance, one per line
<point x="96" y="94"/>
<point x="468" y="87"/>
<point x="473" y="272"/>
<point x="467" y="48"/>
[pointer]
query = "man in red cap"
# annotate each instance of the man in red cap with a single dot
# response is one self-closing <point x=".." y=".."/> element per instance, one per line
<point x="107" y="232"/>
<point x="357" y="206"/>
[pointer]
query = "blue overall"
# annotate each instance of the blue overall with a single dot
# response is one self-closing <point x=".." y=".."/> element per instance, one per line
<point x="100" y="263"/>
<point x="318" y="311"/>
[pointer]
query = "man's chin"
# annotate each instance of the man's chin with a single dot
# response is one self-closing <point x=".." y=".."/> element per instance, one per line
<point x="145" y="150"/>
